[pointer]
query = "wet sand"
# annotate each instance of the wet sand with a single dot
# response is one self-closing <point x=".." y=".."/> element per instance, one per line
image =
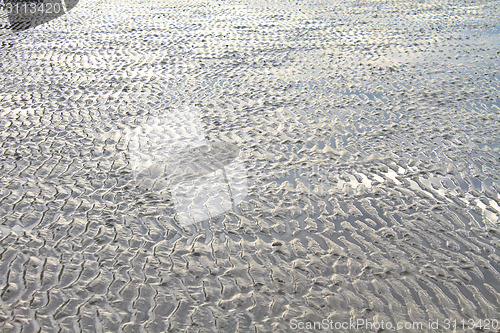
<point x="369" y="135"/>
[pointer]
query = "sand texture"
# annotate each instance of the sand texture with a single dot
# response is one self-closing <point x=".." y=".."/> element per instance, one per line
<point x="239" y="166"/>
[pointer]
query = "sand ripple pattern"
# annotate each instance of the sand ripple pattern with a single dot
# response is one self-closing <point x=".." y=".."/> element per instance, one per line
<point x="369" y="132"/>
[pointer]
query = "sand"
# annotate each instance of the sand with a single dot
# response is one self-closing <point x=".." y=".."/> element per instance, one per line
<point x="353" y="167"/>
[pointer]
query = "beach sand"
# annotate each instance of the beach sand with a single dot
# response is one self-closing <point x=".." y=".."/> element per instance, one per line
<point x="365" y="179"/>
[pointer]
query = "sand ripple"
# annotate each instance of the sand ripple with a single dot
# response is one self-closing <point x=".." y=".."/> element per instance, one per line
<point x="366" y="133"/>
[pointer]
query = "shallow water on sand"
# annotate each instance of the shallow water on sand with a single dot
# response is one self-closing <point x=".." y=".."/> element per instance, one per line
<point x="241" y="166"/>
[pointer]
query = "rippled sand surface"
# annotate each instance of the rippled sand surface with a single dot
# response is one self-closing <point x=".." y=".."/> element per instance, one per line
<point x="367" y="134"/>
